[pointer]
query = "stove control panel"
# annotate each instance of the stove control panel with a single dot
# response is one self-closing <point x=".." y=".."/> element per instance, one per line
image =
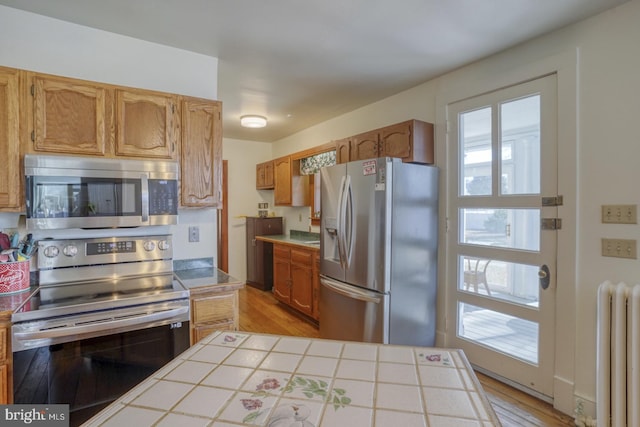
<point x="102" y="251"/>
<point x="117" y="247"/>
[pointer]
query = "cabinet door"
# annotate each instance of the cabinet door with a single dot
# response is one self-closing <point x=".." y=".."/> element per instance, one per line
<point x="282" y="192"/>
<point x="282" y="273"/>
<point x="397" y="141"/>
<point x="9" y="139"/>
<point x="364" y="146"/>
<point x="343" y="146"/>
<point x="302" y="281"/>
<point x="70" y="116"/>
<point x="201" y="154"/>
<point x="146" y="124"/>
<point x="264" y="176"/>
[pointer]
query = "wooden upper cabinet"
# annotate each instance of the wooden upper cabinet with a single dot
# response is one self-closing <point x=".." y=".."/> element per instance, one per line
<point x="364" y="146"/>
<point x="201" y="153"/>
<point x="69" y="116"/>
<point x="147" y="124"/>
<point x="282" y="189"/>
<point x="412" y="141"/>
<point x="343" y="146"/>
<point x="9" y="139"/>
<point x="265" y="176"/>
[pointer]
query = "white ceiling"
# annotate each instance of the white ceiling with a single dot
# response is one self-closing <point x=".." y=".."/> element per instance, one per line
<point x="301" y="62"/>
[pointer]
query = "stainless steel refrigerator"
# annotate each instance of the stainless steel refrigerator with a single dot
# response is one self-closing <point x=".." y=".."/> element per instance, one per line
<point x="378" y="252"/>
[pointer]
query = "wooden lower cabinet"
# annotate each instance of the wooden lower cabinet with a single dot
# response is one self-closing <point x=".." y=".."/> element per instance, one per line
<point x="6" y="381"/>
<point x="213" y="310"/>
<point x="294" y="276"/>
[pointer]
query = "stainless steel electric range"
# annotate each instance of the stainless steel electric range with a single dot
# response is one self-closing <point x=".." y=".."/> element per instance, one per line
<point x="107" y="314"/>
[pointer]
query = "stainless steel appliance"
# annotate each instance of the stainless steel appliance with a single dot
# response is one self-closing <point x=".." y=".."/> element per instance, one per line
<point x="79" y="192"/>
<point x="378" y="252"/>
<point x="107" y="314"/>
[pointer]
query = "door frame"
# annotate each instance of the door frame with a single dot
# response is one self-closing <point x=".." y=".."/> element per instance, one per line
<point x="223" y="221"/>
<point x="478" y="79"/>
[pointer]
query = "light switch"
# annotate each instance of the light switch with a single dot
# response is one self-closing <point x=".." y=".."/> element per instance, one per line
<point x="619" y="248"/>
<point x="619" y="214"/>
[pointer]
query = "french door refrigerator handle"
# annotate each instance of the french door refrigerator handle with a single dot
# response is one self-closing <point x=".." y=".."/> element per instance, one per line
<point x="342" y="213"/>
<point x="349" y="291"/>
<point x="348" y="238"/>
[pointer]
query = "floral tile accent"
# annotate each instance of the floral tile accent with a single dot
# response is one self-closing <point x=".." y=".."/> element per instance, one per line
<point x="248" y="409"/>
<point x="434" y="357"/>
<point x="229" y="339"/>
<point x="360" y="392"/>
<point x="266" y="382"/>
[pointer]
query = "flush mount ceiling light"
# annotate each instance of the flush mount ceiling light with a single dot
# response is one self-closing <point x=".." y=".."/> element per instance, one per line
<point x="253" y="121"/>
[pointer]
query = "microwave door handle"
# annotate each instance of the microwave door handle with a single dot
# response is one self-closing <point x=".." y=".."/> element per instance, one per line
<point x="144" y="192"/>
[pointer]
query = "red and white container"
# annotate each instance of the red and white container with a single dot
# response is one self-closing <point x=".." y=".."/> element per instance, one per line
<point x="14" y="276"/>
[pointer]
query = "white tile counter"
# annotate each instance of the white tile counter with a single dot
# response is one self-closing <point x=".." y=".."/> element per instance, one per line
<point x="236" y="378"/>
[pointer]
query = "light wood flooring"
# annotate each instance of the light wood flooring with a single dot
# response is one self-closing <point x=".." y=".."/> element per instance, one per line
<point x="260" y="312"/>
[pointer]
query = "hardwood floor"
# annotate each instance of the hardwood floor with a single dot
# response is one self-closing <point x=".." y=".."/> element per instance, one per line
<point x="261" y="312"/>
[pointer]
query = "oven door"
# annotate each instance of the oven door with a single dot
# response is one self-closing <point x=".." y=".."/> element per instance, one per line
<point x="88" y="374"/>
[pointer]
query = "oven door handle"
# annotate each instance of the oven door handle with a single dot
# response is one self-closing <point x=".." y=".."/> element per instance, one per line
<point x="98" y="325"/>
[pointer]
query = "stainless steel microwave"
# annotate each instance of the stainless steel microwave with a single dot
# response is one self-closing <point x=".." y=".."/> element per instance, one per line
<point x="80" y="192"/>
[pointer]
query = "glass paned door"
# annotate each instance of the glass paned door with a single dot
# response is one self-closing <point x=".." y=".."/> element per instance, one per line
<point x="502" y="162"/>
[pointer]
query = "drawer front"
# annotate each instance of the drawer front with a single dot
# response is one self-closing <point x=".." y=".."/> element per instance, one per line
<point x="301" y="257"/>
<point x="218" y="308"/>
<point x="281" y="251"/>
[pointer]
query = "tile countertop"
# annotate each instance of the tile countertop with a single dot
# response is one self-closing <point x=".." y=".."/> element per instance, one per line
<point x="237" y="378"/>
<point x="287" y="240"/>
<point x="207" y="276"/>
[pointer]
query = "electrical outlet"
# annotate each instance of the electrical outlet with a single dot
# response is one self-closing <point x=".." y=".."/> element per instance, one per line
<point x="619" y="248"/>
<point x="194" y="233"/>
<point x="619" y="214"/>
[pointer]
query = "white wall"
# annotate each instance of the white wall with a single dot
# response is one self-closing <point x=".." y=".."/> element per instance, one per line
<point x="33" y="42"/>
<point x="243" y="199"/>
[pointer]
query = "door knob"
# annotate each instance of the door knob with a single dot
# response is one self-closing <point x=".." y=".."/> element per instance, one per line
<point x="544" y="276"/>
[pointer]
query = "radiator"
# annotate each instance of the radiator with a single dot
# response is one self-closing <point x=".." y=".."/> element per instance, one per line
<point x="618" y="355"/>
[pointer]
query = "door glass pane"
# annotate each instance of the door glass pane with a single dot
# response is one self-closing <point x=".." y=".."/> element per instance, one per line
<point x="513" y="282"/>
<point x="475" y="140"/>
<point x="502" y="332"/>
<point x="520" y="137"/>
<point x="508" y="228"/>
